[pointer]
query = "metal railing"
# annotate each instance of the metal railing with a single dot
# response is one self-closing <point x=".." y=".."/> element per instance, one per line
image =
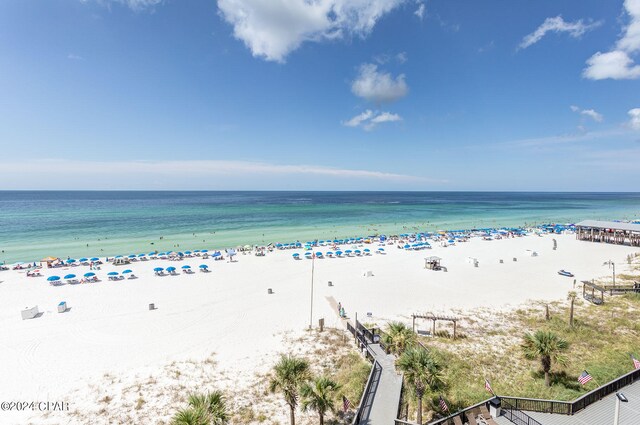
<point x="539" y="405"/>
<point x="375" y="369"/>
<point x="516" y="416"/>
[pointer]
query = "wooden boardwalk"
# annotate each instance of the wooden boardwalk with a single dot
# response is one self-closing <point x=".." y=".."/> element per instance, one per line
<point x="380" y="403"/>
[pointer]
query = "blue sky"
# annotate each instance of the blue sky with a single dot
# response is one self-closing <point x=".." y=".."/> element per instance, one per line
<point x="320" y="95"/>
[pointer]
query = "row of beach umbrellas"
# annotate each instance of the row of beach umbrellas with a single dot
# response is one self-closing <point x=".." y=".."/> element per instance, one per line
<point x="347" y="252"/>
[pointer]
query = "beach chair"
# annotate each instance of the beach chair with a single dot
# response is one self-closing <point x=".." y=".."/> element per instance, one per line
<point x="487" y="416"/>
<point x="471" y="416"/>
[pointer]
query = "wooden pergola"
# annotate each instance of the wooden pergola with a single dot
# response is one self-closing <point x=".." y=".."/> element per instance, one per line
<point x="592" y="296"/>
<point x="434" y="318"/>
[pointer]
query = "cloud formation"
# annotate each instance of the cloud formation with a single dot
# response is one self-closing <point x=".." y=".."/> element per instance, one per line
<point x="177" y="174"/>
<point x="272" y="29"/>
<point x="557" y="24"/>
<point x="378" y="87"/>
<point x="420" y="11"/>
<point x="634" y="120"/>
<point x="591" y="113"/>
<point x="618" y="64"/>
<point x="369" y="119"/>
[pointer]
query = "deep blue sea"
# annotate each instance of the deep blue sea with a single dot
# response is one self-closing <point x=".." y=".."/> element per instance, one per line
<point x="36" y="224"/>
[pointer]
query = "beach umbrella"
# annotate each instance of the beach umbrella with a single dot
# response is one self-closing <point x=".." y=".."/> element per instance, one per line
<point x="127" y="271"/>
<point x="70" y="276"/>
<point x="338" y="253"/>
<point x="112" y="274"/>
<point x="132" y="256"/>
<point x="367" y="250"/>
<point x="152" y="253"/>
<point x="329" y="253"/>
<point x="118" y="256"/>
<point x="186" y="267"/>
<point x="357" y="252"/>
<point x="381" y="249"/>
<point x="217" y="254"/>
<point x="158" y="269"/>
<point x="95" y="259"/>
<point x="196" y="250"/>
<point x="318" y="254"/>
<point x="82" y="260"/>
<point x="231" y="252"/>
<point x="203" y="266"/>
<point x="53" y="278"/>
<point x="296" y="255"/>
<point x="142" y="255"/>
<point x="187" y="252"/>
<point x="308" y="254"/>
<point x="407" y="246"/>
<point x="180" y="254"/>
<point x="171" y="269"/>
<point x="90" y="274"/>
<point x="71" y="260"/>
<point x="348" y="251"/>
<point x="204" y="250"/>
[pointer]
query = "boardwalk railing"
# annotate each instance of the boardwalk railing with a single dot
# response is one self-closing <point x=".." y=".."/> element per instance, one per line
<point x="365" y="399"/>
<point x="516" y="416"/>
<point x="572" y="407"/>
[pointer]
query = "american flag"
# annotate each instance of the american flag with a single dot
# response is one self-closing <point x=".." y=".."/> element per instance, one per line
<point x="584" y="377"/>
<point x="443" y="405"/>
<point x="346" y="404"/>
<point x="487" y="386"/>
<point x="636" y="362"/>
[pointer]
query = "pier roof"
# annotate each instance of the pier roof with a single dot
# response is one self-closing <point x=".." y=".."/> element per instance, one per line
<point x="616" y="225"/>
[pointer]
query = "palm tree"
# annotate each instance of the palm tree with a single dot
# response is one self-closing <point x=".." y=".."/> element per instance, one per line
<point x="289" y="374"/>
<point x="546" y="346"/>
<point x="204" y="409"/>
<point x="422" y="372"/>
<point x="398" y="337"/>
<point x="190" y="416"/>
<point x="212" y="403"/>
<point x="319" y="395"/>
<point x="571" y="297"/>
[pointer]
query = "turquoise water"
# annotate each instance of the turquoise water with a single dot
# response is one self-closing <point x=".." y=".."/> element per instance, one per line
<point x="75" y="223"/>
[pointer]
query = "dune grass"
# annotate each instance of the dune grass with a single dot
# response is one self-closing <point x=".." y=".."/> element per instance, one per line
<point x="601" y="341"/>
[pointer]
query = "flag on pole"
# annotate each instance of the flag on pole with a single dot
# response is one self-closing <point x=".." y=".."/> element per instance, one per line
<point x="443" y="405"/>
<point x="487" y="386"/>
<point x="584" y="377"/>
<point x="636" y="362"/>
<point x="346" y="404"/>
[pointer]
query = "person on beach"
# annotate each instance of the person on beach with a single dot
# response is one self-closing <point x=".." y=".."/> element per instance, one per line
<point x="339" y="306"/>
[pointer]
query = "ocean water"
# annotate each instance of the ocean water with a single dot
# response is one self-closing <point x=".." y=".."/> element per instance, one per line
<point x="35" y="224"/>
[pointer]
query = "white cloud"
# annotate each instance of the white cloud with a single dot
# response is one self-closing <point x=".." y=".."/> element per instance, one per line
<point x="379" y="87"/>
<point x="402" y="57"/>
<point x="74" y="57"/>
<point x="557" y="24"/>
<point x="178" y="174"/>
<point x="369" y="119"/>
<point x="272" y="29"/>
<point x="136" y="5"/>
<point x="359" y="119"/>
<point x="617" y="64"/>
<point x="634" y="121"/>
<point x="591" y="113"/>
<point x="420" y="11"/>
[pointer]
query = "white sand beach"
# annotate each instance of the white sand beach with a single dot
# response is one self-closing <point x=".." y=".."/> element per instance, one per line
<point x="227" y="314"/>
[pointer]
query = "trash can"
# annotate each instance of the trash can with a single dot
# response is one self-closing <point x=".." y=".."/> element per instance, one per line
<point x="494" y="407"/>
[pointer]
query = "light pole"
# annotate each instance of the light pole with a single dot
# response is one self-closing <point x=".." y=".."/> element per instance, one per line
<point x="619" y="398"/>
<point x="611" y="264"/>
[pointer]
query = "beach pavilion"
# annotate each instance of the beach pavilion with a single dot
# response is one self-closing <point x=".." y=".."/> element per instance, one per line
<point x="608" y="232"/>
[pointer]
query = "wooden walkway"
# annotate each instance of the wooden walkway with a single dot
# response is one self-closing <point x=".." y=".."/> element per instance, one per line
<point x="380" y="403"/>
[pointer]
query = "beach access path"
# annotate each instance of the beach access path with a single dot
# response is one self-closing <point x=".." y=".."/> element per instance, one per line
<point x="380" y="403"/>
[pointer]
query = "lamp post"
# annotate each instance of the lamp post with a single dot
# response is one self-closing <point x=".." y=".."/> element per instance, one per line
<point x="611" y="264"/>
<point x="619" y="398"/>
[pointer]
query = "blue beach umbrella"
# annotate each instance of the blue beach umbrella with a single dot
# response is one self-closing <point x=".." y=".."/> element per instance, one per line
<point x="407" y="246"/>
<point x="71" y="260"/>
<point x="217" y="254"/>
<point x="112" y="274"/>
<point x="171" y="269"/>
<point x="329" y="253"/>
<point x="70" y="276"/>
<point x="367" y="250"/>
<point x="348" y="251"/>
<point x="203" y="266"/>
<point x="82" y="260"/>
<point x="127" y="271"/>
<point x="142" y="255"/>
<point x="381" y="249"/>
<point x="158" y="269"/>
<point x="118" y="256"/>
<point x="196" y="250"/>
<point x="95" y="259"/>
<point x="152" y="253"/>
<point x="132" y="256"/>
<point x="357" y="252"/>
<point x="204" y="250"/>
<point x="186" y="267"/>
<point x="187" y="252"/>
<point x="296" y="255"/>
<point x="318" y="254"/>
<point x="90" y="274"/>
<point x="53" y="278"/>
<point x="338" y="253"/>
